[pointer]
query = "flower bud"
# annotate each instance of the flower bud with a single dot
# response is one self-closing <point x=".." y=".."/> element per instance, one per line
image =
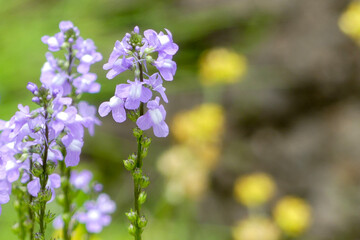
<point x="17" y="204"/>
<point x="142" y="197"/>
<point x="37" y="169"/>
<point x="36" y="100"/>
<point x="144" y="181"/>
<point x="132" y="229"/>
<point x="149" y="59"/>
<point x="28" y="223"/>
<point x="32" y="88"/>
<point x="142" y="222"/>
<point x="137" y="132"/>
<point x="137" y="174"/>
<point x="16" y="227"/>
<point x="132" y="216"/>
<point x="129" y="164"/>
<point x="50" y="167"/>
<point x="45" y="196"/>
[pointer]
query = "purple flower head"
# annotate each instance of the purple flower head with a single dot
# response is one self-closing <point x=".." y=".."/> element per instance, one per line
<point x="73" y="150"/>
<point x="5" y="191"/>
<point x="86" y="53"/>
<point x="54" y="181"/>
<point x="86" y="83"/>
<point x="65" y="26"/>
<point x="116" y="105"/>
<point x="55" y="42"/>
<point x="97" y="213"/>
<point x="119" y="66"/>
<point x="134" y="93"/>
<point x="53" y="77"/>
<point x="155" y="118"/>
<point x="166" y="66"/>
<point x="161" y="42"/>
<point x="155" y="82"/>
<point x="81" y="180"/>
<point x="88" y="117"/>
<point x="32" y="87"/>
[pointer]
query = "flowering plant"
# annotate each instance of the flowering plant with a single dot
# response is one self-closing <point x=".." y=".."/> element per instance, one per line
<point x="136" y="52"/>
<point x="39" y="148"/>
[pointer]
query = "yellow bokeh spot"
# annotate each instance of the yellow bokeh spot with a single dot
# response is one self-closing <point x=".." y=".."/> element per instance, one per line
<point x="293" y="215"/>
<point x="186" y="176"/>
<point x="254" y="189"/>
<point x="203" y="124"/>
<point x="78" y="234"/>
<point x="256" y="228"/>
<point x="221" y="65"/>
<point x="349" y="21"/>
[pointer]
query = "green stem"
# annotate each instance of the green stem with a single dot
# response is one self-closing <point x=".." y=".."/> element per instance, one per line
<point x="137" y="187"/>
<point x="44" y="177"/>
<point x="67" y="171"/>
<point x="31" y="214"/>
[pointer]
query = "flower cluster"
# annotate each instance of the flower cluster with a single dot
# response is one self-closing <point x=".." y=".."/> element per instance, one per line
<point x="34" y="143"/>
<point x="95" y="214"/>
<point x="57" y="73"/>
<point x="134" y="52"/>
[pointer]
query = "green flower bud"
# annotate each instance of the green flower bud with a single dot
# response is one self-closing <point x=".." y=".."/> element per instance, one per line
<point x="142" y="222"/>
<point x="132" y="229"/>
<point x="137" y="73"/>
<point x="137" y="174"/>
<point x="16" y="228"/>
<point x="142" y="197"/>
<point x="149" y="59"/>
<point x="45" y="196"/>
<point x="132" y="216"/>
<point x="146" y="141"/>
<point x="37" y="169"/>
<point x="28" y="223"/>
<point x="137" y="132"/>
<point x="129" y="164"/>
<point x="50" y="167"/>
<point x="144" y="181"/>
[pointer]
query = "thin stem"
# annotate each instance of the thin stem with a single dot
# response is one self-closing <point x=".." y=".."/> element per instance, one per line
<point x="31" y="214"/>
<point x="44" y="177"/>
<point x="67" y="171"/>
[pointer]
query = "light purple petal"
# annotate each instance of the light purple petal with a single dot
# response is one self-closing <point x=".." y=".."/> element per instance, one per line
<point x="104" y="109"/>
<point x="161" y="129"/>
<point x="34" y="187"/>
<point x="144" y="122"/>
<point x="145" y="95"/>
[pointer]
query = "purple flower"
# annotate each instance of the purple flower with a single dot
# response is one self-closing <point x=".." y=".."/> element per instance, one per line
<point x="55" y="42"/>
<point x="155" y="118"/>
<point x="155" y="82"/>
<point x="54" y="181"/>
<point x="166" y="66"/>
<point x="66" y="26"/>
<point x="73" y="150"/>
<point x="5" y="191"/>
<point x="116" y="105"/>
<point x="120" y="49"/>
<point x="88" y="116"/>
<point x="86" y="83"/>
<point x="81" y="180"/>
<point x="134" y="93"/>
<point x="119" y="66"/>
<point x="86" y="54"/>
<point x="161" y="42"/>
<point x="97" y="213"/>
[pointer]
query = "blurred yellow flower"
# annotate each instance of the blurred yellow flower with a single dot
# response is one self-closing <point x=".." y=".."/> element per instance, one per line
<point x="221" y="65"/>
<point x="203" y="124"/>
<point x="256" y="228"/>
<point x="293" y="215"/>
<point x="254" y="189"/>
<point x="186" y="177"/>
<point x="78" y="234"/>
<point x="349" y="21"/>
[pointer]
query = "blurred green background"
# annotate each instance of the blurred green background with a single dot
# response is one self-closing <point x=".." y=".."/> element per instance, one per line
<point x="265" y="105"/>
